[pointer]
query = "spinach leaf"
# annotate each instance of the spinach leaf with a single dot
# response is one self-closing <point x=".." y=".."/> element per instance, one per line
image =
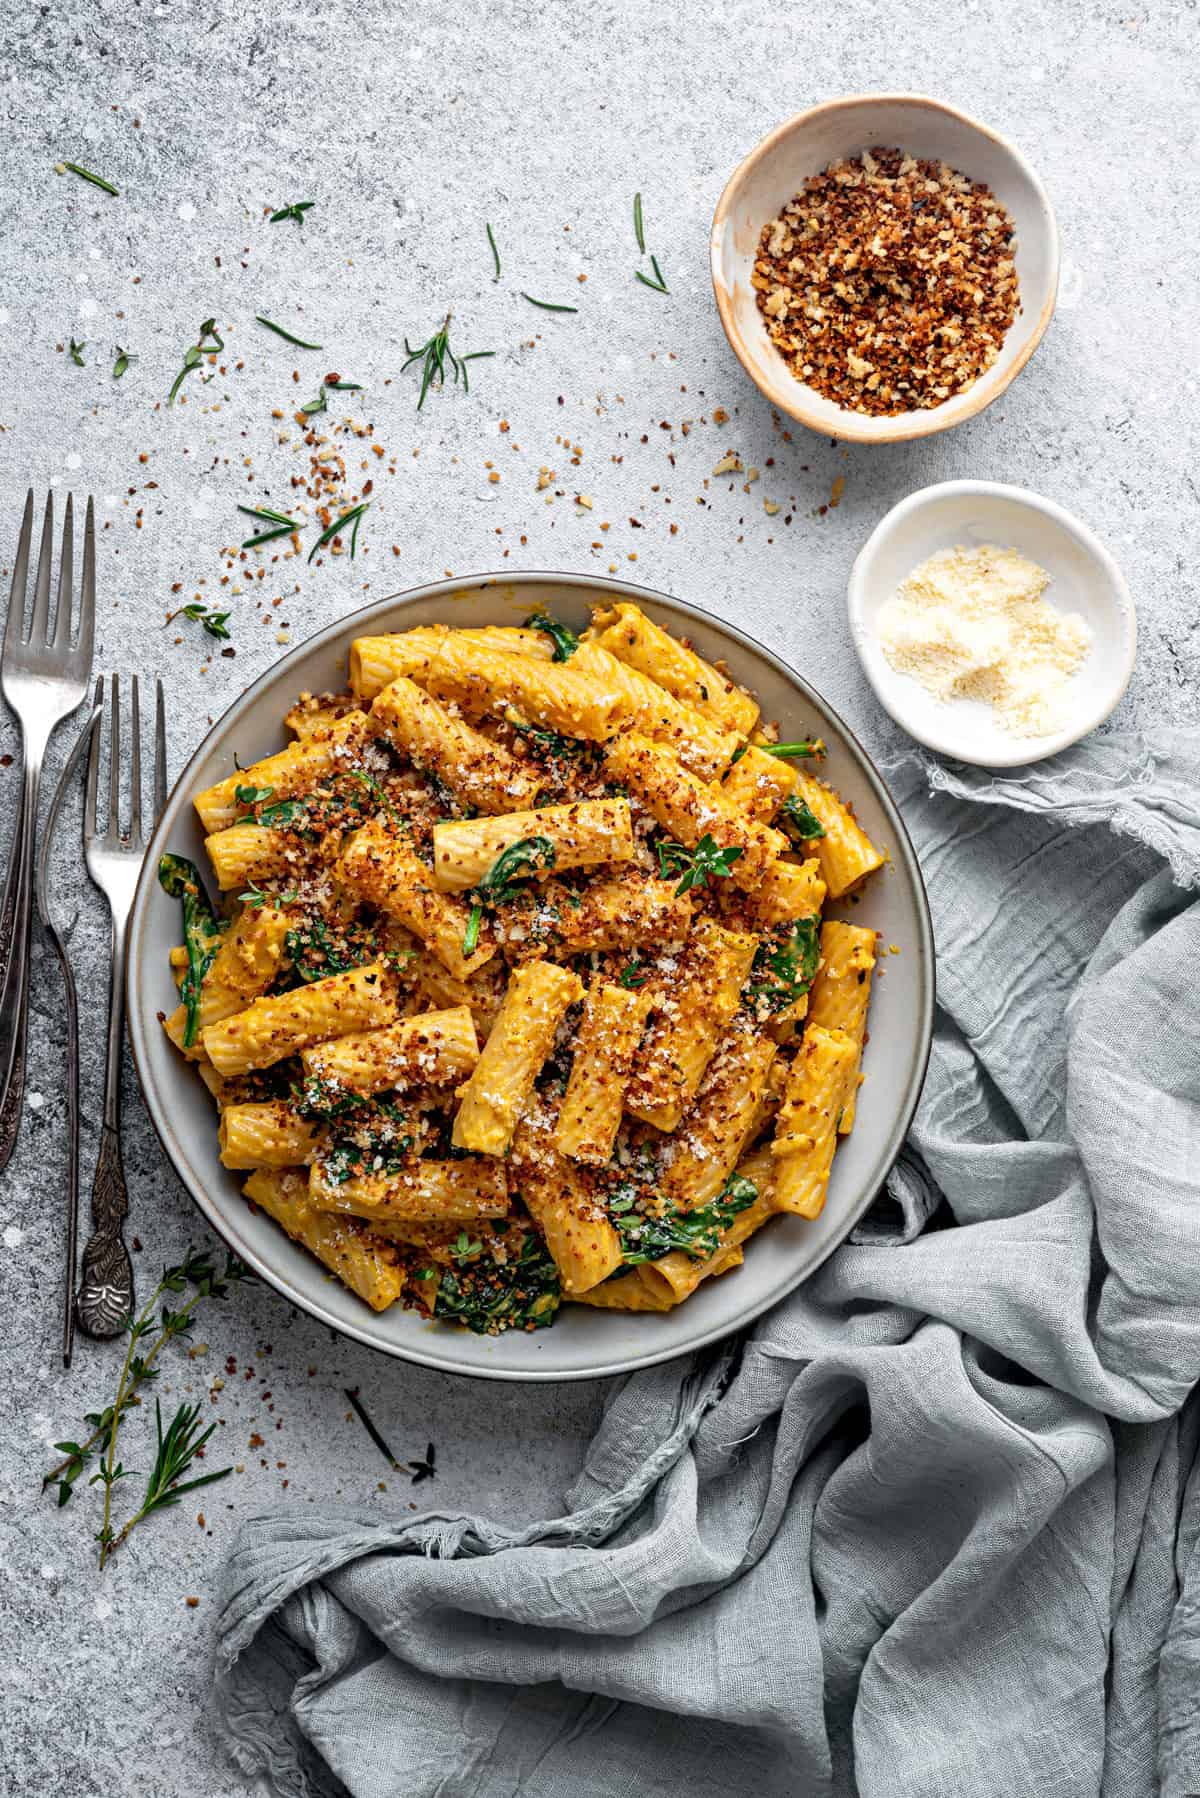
<point x="563" y="638"/>
<point x="488" y="1296"/>
<point x="698" y="1233"/>
<point x="786" y="965"/>
<point x="504" y="880"/>
<point x="801" y="825"/>
<point x="201" y="932"/>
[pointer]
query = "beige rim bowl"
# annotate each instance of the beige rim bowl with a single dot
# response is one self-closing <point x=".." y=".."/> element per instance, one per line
<point x="774" y="172"/>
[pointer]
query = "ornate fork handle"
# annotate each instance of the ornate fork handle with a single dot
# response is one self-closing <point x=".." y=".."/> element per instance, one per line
<point x="106" y="1292"/>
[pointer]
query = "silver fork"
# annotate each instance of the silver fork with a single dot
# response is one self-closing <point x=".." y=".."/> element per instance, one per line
<point x="114" y="861"/>
<point x="43" y="676"/>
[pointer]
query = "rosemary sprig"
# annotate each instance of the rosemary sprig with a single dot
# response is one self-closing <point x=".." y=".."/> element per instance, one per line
<point x="76" y="168"/>
<point x="658" y="284"/>
<point x="75" y="351"/>
<point x="287" y="336"/>
<point x="639" y="229"/>
<point x="547" y="305"/>
<point x="178" y="1446"/>
<point x="353" y="516"/>
<point x="342" y="386"/>
<point x="122" y="363"/>
<point x="207" y="344"/>
<point x="280" y="525"/>
<point x="434" y="355"/>
<point x="213" y="622"/>
<point x="495" y="252"/>
<point x="296" y="211"/>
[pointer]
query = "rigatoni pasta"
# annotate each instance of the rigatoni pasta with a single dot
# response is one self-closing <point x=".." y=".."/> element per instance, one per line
<point x="526" y="993"/>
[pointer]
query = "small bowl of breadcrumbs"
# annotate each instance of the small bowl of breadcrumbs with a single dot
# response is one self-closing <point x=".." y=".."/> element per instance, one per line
<point x="884" y="266"/>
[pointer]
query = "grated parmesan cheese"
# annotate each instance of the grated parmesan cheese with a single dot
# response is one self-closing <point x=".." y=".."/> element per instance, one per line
<point x="972" y="624"/>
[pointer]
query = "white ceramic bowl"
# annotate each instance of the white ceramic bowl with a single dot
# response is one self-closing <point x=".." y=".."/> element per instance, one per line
<point x="774" y="172"/>
<point x="1084" y="578"/>
<point x="582" y="1343"/>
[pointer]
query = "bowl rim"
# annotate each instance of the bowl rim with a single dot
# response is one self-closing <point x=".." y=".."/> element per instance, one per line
<point x="854" y="427"/>
<point x="353" y="624"/>
<point x="884" y="691"/>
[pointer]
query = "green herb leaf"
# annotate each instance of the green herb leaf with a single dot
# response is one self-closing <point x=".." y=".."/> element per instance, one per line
<point x="213" y="622"/>
<point x="208" y="344"/>
<point x="122" y="363"/>
<point x="785" y="965"/>
<point x="707" y="861"/>
<point x="287" y="336"/>
<point x="344" y="386"/>
<point x="86" y="175"/>
<point x="75" y="351"/>
<point x="633" y="975"/>
<point x="252" y="795"/>
<point x="800" y="824"/>
<point x="548" y="305"/>
<point x="488" y="1296"/>
<point x="495" y="252"/>
<point x="310" y="408"/>
<point x="471" y="934"/>
<point x="296" y="211"/>
<point x="180" y="878"/>
<point x="639" y="229"/>
<point x="504" y="879"/>
<point x="565" y="640"/>
<point x="332" y="530"/>
<point x="658" y="284"/>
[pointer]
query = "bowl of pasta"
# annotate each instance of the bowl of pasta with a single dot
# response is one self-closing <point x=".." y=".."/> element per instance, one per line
<point x="507" y="977"/>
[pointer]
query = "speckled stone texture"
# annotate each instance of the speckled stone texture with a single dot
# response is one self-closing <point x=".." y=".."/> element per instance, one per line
<point x="409" y="127"/>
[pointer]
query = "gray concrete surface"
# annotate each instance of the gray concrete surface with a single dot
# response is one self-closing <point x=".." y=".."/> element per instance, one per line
<point x="409" y="127"/>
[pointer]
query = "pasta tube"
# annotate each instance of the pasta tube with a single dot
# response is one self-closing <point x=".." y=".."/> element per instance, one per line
<point x="266" y="1135"/>
<point x="581" y="1240"/>
<point x="582" y="835"/>
<point x="374" y="661"/>
<point x="614" y="1018"/>
<point x="787" y="891"/>
<point x="481" y="774"/>
<point x="365" y="1263"/>
<point x="247" y="853"/>
<point x="700" y="746"/>
<point x="847" y="855"/>
<point x="293" y="770"/>
<point x="841" y="992"/>
<point x="481" y="679"/>
<point x="311" y="714"/>
<point x="493" y="1099"/>
<point x="628" y="912"/>
<point x="720" y="1121"/>
<point x="272" y="1028"/>
<point x="678" y="1274"/>
<point x="432" y="1049"/>
<point x="244" y="966"/>
<point x="382" y="869"/>
<point x="422" y="1192"/>
<point x="758" y="783"/>
<point x="628" y="634"/>
<point x="692" y="1012"/>
<point x="628" y="1293"/>
<point x="821" y="1080"/>
<point x="688" y="809"/>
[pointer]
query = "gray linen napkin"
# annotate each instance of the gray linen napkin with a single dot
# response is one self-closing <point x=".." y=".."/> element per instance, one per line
<point x="934" y="1527"/>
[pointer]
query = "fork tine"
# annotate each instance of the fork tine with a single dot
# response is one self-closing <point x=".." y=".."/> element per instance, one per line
<point x="160" y="751"/>
<point x="66" y="579"/>
<point x="41" y="591"/>
<point x="114" y="766"/>
<point x="15" y="629"/>
<point x="93" y="770"/>
<point x="135" y="769"/>
<point x="87" y="596"/>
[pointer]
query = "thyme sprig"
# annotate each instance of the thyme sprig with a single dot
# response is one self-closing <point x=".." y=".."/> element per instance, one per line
<point x="287" y="336"/>
<point x="707" y="861"/>
<point x="214" y="623"/>
<point x="352" y="517"/>
<point x="75" y="351"/>
<point x="419" y="1469"/>
<point x="435" y="355"/>
<point x="76" y="168"/>
<point x="296" y="211"/>
<point x="208" y="343"/>
<point x="179" y="1444"/>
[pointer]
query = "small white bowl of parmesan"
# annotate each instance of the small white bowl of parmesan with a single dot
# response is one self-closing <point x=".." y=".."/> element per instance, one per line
<point x="994" y="627"/>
